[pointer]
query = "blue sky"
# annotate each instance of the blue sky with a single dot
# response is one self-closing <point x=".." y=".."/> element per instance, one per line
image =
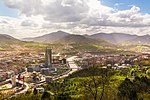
<point x="6" y="11"/>
<point x="144" y="5"/>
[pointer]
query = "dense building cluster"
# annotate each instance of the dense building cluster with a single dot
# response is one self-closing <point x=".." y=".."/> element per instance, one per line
<point x="13" y="62"/>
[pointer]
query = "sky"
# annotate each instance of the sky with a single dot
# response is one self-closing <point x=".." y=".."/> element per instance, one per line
<point x="31" y="18"/>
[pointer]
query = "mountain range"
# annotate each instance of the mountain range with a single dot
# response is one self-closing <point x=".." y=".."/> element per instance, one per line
<point x="113" y="38"/>
<point x="64" y="37"/>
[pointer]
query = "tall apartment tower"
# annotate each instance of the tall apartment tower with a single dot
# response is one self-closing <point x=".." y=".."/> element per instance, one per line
<point x="48" y="57"/>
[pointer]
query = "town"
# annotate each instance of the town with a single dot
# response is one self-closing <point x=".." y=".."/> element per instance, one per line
<point x="19" y="71"/>
<point x="18" y="68"/>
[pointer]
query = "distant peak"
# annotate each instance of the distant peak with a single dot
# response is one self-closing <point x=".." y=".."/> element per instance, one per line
<point x="61" y="31"/>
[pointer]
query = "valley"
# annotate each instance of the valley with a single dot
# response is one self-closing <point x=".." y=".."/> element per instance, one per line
<point x="96" y="56"/>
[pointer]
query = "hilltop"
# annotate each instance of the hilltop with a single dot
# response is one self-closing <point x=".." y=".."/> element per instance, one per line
<point x="48" y="38"/>
<point x="7" y="41"/>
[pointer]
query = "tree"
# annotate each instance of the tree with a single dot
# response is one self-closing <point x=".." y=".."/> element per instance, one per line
<point x="148" y="72"/>
<point x="45" y="96"/>
<point x="91" y="86"/>
<point x="145" y="84"/>
<point x="35" y="91"/>
<point x="96" y="84"/>
<point x="127" y="90"/>
<point x="62" y="96"/>
<point x="1" y="96"/>
<point x="137" y="83"/>
<point x="59" y="89"/>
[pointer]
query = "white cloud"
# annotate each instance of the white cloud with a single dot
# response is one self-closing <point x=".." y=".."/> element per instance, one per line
<point x="76" y="16"/>
<point x="29" y="23"/>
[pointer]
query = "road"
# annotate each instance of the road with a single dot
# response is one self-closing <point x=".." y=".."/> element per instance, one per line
<point x="72" y="65"/>
<point x="26" y="85"/>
